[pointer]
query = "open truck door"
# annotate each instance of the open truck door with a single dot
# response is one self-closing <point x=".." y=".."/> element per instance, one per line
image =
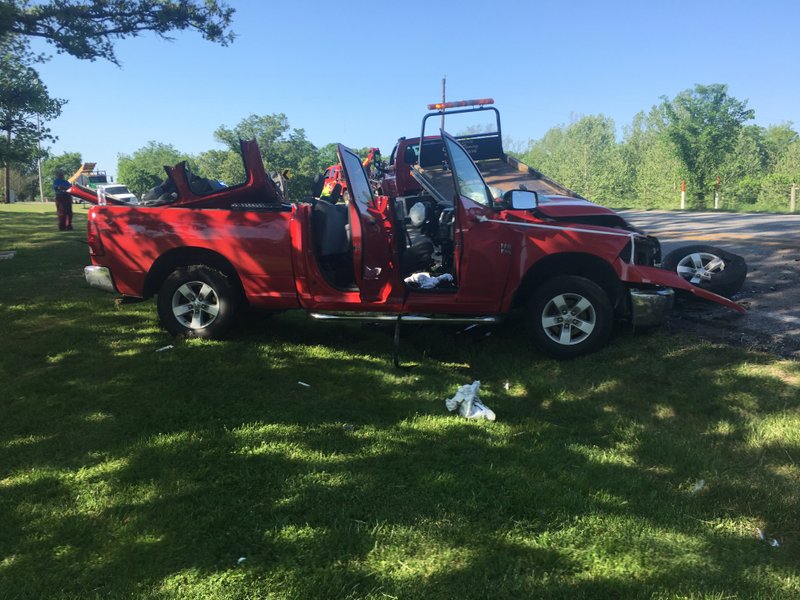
<point x="483" y="248"/>
<point x="370" y="231"/>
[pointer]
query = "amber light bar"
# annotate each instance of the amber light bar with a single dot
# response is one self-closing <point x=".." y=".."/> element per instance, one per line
<point x="444" y="105"/>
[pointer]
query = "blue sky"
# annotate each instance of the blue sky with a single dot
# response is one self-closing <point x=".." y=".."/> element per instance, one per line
<point x="361" y="73"/>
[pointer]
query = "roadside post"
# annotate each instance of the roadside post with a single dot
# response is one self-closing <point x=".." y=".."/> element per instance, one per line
<point x="793" y="199"/>
<point x="683" y="194"/>
<point x="716" y="194"/>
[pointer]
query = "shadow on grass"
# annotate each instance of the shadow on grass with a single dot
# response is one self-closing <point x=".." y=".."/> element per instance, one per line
<point x="131" y="472"/>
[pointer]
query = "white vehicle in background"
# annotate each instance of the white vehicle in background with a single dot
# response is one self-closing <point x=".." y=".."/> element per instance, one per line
<point x="117" y="191"/>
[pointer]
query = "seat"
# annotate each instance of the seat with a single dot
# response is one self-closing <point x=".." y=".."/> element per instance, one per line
<point x="417" y="255"/>
<point x="329" y="226"/>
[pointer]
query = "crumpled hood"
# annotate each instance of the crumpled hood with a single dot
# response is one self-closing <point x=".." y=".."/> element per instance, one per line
<point x="564" y="207"/>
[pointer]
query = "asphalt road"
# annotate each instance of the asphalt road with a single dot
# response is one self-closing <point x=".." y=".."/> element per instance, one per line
<point x="771" y="246"/>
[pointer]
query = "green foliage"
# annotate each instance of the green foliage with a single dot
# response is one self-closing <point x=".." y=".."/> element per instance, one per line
<point x="224" y="165"/>
<point x="87" y="29"/>
<point x="24" y="105"/>
<point x="584" y="156"/>
<point x="281" y="148"/>
<point x="144" y="169"/>
<point x="698" y="136"/>
<point x="703" y="124"/>
<point x="69" y="162"/>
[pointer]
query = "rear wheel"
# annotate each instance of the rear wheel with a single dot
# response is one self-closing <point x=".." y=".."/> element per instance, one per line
<point x="570" y="316"/>
<point x="197" y="301"/>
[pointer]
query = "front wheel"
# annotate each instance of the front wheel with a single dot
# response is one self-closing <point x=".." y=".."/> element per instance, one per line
<point x="708" y="267"/>
<point x="570" y="316"/>
<point x="197" y="301"/>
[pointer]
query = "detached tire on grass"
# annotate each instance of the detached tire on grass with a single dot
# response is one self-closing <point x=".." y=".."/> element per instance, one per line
<point x="570" y="316"/>
<point x="708" y="267"/>
<point x="197" y="301"/>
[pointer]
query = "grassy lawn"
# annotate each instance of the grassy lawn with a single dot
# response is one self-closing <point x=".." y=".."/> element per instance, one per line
<point x="127" y="472"/>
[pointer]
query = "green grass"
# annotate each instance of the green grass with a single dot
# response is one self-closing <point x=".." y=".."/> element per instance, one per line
<point x="126" y="472"/>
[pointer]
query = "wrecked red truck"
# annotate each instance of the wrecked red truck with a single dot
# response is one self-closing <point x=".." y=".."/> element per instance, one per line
<point x="467" y="242"/>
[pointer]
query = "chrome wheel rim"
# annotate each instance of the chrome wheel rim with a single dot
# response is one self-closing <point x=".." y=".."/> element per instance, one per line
<point x="195" y="305"/>
<point x="568" y="319"/>
<point x="700" y="266"/>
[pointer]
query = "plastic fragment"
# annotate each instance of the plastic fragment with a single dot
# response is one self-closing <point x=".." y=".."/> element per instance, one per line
<point x="698" y="487"/>
<point x="241" y="560"/>
<point x="760" y="534"/>
<point x="774" y="543"/>
<point x="506" y="385"/>
<point x="468" y="405"/>
<point x="304" y="384"/>
<point x="168" y="347"/>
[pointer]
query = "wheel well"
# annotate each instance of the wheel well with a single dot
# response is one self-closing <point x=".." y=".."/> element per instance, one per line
<point x="183" y="257"/>
<point x="583" y="265"/>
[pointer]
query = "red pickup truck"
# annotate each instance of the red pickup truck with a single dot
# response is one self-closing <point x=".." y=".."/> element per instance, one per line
<point x="455" y="251"/>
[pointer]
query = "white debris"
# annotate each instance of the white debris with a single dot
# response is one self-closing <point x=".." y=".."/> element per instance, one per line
<point x="241" y="560"/>
<point x="760" y="534"/>
<point x="426" y="281"/>
<point x="8" y="254"/>
<point x="304" y="384"/>
<point x="468" y="405"/>
<point x="170" y="347"/>
<point x="698" y="487"/>
<point x="774" y="543"/>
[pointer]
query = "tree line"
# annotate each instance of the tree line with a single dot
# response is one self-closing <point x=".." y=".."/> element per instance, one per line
<point x="701" y="137"/>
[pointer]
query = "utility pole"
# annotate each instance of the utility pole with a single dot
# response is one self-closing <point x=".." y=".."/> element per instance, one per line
<point x="39" y="157"/>
<point x="444" y="82"/>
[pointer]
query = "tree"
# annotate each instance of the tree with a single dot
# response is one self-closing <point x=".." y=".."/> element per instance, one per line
<point x="224" y="165"/>
<point x="704" y="125"/>
<point x="87" y="29"/>
<point x="24" y="105"/>
<point x="652" y="169"/>
<point x="144" y="169"/>
<point x="66" y="161"/>
<point x="281" y="148"/>
<point x="584" y="156"/>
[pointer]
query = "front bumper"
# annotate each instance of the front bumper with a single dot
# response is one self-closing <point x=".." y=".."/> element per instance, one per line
<point x="651" y="307"/>
<point x="99" y="277"/>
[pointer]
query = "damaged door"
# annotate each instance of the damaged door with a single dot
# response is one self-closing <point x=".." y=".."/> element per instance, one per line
<point x="370" y="231"/>
<point x="484" y="248"/>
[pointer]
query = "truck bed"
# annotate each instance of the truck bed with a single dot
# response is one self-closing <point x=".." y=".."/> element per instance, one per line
<point x="503" y="174"/>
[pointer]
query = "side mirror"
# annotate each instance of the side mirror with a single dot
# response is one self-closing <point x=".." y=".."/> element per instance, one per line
<point x="521" y="199"/>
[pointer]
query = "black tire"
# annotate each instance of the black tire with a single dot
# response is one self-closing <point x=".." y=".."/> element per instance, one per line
<point x="569" y="334"/>
<point x="708" y="267"/>
<point x="197" y="301"/>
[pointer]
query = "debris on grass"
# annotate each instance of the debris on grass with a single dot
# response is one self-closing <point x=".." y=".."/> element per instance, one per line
<point x="241" y="560"/>
<point x="698" y="487"/>
<point x="163" y="348"/>
<point x="468" y="405"/>
<point x="304" y="384"/>
<point x="762" y="536"/>
<point x="7" y="254"/>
